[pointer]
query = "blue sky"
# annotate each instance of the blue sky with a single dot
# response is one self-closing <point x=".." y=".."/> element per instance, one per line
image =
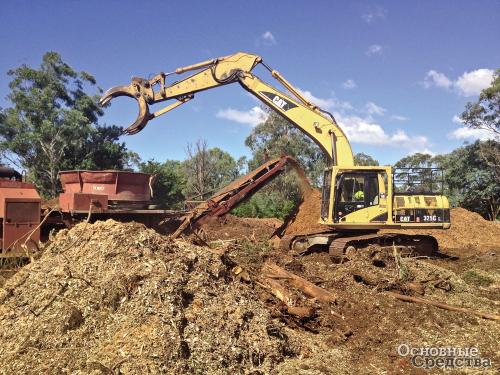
<point x="395" y="73"/>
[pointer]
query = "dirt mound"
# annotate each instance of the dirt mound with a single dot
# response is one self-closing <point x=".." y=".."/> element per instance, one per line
<point x="305" y="217"/>
<point x="472" y="229"/>
<point x="119" y="298"/>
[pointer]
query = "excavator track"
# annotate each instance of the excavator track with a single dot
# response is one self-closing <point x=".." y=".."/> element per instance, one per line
<point x="419" y="245"/>
<point x="338" y="243"/>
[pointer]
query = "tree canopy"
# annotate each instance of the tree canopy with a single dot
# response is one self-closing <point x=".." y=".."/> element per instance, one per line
<point x="53" y="124"/>
<point x="485" y="112"/>
<point x="208" y="169"/>
<point x="271" y="139"/>
<point x="472" y="182"/>
<point x="363" y="159"/>
<point x="168" y="184"/>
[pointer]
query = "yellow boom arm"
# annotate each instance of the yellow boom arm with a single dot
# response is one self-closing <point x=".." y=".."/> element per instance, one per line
<point x="310" y="119"/>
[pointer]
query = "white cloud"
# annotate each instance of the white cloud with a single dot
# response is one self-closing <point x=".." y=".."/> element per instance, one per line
<point x="374" y="14"/>
<point x="399" y="118"/>
<point x="268" y="39"/>
<point x="472" y="83"/>
<point x="464" y="132"/>
<point x="373" y="109"/>
<point x="325" y="103"/>
<point x="252" y="117"/>
<point x="374" y="49"/>
<point x="366" y="131"/>
<point x="433" y="78"/>
<point x="468" y="84"/>
<point x="359" y="129"/>
<point x="349" y="84"/>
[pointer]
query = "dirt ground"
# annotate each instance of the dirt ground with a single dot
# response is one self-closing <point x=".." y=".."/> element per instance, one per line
<point x="114" y="298"/>
<point x="230" y="227"/>
<point x="466" y="274"/>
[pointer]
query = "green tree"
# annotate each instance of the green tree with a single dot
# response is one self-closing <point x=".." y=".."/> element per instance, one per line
<point x="53" y="124"/>
<point x="485" y="113"/>
<point x="481" y="159"/>
<point x="168" y="184"/>
<point x="208" y="169"/>
<point x="271" y="139"/>
<point x="414" y="173"/>
<point x="277" y="136"/>
<point x="269" y="204"/>
<point x="472" y="182"/>
<point x="417" y="160"/>
<point x="363" y="159"/>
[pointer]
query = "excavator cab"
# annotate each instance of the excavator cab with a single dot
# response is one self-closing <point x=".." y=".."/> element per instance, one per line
<point x="363" y="198"/>
<point x="357" y="191"/>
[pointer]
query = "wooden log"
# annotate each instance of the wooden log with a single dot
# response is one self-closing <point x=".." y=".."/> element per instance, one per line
<point x="301" y="311"/>
<point x="415" y="287"/>
<point x="273" y="271"/>
<point x="276" y="289"/>
<point x="443" y="306"/>
<point x="279" y="291"/>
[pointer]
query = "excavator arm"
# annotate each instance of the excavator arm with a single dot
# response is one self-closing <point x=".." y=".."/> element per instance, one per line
<point x="319" y="125"/>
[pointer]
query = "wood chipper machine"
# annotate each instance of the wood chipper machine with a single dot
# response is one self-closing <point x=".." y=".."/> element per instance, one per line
<point x="19" y="215"/>
<point x="101" y="195"/>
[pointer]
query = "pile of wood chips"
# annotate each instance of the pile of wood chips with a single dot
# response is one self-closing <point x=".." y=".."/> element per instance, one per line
<point x="119" y="298"/>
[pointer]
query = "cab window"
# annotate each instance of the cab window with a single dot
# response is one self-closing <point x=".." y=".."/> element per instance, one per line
<point x="352" y="189"/>
<point x="355" y="192"/>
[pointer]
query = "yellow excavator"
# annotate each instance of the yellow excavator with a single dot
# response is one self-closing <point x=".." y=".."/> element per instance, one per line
<point x="357" y="201"/>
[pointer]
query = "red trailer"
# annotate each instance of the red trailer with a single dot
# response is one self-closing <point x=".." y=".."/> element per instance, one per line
<point x="120" y="195"/>
<point x="107" y="189"/>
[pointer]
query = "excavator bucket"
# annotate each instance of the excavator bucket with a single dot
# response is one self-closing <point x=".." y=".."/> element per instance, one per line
<point x="131" y="91"/>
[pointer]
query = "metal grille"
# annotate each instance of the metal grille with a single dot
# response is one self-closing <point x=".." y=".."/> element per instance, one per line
<point x="418" y="181"/>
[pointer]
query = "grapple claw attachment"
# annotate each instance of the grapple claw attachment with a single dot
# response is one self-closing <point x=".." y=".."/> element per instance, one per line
<point x="134" y="91"/>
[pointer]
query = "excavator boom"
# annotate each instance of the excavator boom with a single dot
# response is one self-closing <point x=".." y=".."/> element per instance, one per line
<point x="316" y="123"/>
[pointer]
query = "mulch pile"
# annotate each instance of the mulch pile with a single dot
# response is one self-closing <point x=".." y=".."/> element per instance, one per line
<point x="117" y="298"/>
<point x="304" y="219"/>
